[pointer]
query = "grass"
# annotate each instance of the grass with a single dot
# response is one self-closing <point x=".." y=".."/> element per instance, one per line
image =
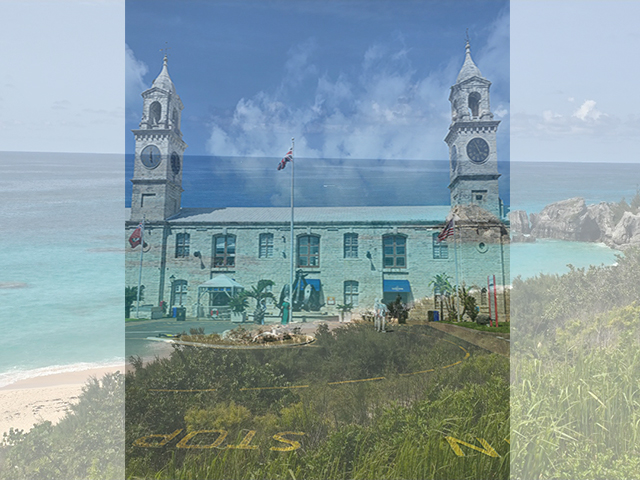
<point x="575" y="364"/>
<point x="392" y="427"/>
<point x="504" y="327"/>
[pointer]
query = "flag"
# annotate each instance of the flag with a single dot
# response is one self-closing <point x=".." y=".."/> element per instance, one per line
<point x="136" y="237"/>
<point x="287" y="158"/>
<point x="447" y="231"/>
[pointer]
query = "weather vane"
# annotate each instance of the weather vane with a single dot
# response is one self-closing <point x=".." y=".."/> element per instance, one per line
<point x="467" y="38"/>
<point x="166" y="49"/>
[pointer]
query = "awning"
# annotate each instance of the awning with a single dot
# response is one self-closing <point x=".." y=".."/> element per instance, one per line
<point x="396" y="286"/>
<point x="314" y="282"/>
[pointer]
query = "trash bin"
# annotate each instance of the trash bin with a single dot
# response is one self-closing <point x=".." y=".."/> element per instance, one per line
<point x="181" y="314"/>
<point x="436" y="316"/>
<point x="173" y="313"/>
<point x="430" y="316"/>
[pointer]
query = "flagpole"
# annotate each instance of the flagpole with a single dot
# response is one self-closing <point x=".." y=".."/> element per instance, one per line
<point x="455" y="255"/>
<point x="140" y="273"/>
<point x="291" y="257"/>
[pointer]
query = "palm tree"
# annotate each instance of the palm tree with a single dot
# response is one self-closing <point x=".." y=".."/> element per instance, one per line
<point x="259" y="294"/>
<point x="442" y="286"/>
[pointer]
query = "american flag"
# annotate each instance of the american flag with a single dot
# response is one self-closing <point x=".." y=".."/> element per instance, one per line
<point x="287" y="158"/>
<point x="447" y="231"/>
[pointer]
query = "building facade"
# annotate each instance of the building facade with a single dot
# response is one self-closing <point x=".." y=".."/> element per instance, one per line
<point x="348" y="255"/>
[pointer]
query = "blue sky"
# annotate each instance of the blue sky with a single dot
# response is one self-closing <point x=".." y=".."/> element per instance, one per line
<point x="573" y="70"/>
<point x="347" y="79"/>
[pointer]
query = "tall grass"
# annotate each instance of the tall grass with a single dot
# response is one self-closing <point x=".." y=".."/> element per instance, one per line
<point x="388" y="429"/>
<point x="575" y="371"/>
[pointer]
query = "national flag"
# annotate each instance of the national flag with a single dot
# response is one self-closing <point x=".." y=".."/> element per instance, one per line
<point x="136" y="237"/>
<point x="287" y="158"/>
<point x="447" y="231"/>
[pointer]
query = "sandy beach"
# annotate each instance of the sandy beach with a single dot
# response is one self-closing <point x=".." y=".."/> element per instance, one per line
<point x="30" y="401"/>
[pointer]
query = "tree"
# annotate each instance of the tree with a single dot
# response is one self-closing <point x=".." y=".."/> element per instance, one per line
<point x="260" y="295"/>
<point x="130" y="296"/>
<point x="240" y="302"/>
<point x="468" y="304"/>
<point x="443" y="288"/>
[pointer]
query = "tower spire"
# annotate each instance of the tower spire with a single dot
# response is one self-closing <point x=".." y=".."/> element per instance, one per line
<point x="469" y="68"/>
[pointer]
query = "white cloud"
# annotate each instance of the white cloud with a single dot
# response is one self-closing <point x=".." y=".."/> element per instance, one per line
<point x="587" y="111"/>
<point x="135" y="70"/>
<point x="382" y="111"/>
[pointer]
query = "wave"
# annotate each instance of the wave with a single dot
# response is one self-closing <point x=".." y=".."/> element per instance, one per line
<point x="16" y="375"/>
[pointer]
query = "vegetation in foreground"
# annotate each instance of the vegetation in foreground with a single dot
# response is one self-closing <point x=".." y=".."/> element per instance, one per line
<point x="391" y="427"/>
<point x="86" y="444"/>
<point x="575" y="364"/>
<point x="503" y="327"/>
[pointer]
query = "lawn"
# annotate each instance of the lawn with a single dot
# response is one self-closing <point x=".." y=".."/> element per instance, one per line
<point x="503" y="327"/>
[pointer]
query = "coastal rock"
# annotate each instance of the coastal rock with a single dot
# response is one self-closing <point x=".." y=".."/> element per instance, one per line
<point x="519" y="222"/>
<point x="566" y="220"/>
<point x="521" y="238"/>
<point x="603" y="216"/>
<point x="627" y="231"/>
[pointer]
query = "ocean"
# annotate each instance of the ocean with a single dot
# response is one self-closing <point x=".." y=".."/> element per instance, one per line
<point x="537" y="184"/>
<point x="61" y="263"/>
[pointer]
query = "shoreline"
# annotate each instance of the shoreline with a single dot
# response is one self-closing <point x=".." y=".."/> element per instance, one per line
<point x="44" y="398"/>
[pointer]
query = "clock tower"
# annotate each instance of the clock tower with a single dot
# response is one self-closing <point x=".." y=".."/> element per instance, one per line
<point x="473" y="164"/>
<point x="157" y="174"/>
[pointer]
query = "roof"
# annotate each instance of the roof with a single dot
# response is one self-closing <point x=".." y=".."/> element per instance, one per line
<point x="163" y="80"/>
<point x="324" y="215"/>
<point x="221" y="281"/>
<point x="469" y="69"/>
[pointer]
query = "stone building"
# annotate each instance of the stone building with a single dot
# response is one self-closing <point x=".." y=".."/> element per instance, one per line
<point x="348" y="254"/>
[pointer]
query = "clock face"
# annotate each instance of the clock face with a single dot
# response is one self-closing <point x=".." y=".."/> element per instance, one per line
<point x="150" y="156"/>
<point x="175" y="163"/>
<point x="478" y="150"/>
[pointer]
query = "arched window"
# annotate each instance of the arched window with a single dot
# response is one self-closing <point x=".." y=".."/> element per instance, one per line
<point x="474" y="104"/>
<point x="182" y="245"/>
<point x="308" y="251"/>
<point x="224" y="251"/>
<point x="155" y="112"/>
<point x="395" y="251"/>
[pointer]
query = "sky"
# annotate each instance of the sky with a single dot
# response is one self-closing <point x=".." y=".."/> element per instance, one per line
<point x="349" y="80"/>
<point x="346" y="79"/>
<point x="572" y="69"/>
<point x="62" y="76"/>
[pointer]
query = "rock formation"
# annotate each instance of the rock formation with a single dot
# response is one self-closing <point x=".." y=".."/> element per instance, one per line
<point x="573" y="220"/>
<point x="627" y="231"/>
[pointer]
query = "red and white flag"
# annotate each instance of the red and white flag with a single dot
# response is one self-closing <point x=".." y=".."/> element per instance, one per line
<point x="287" y="158"/>
<point x="448" y="230"/>
<point x="136" y="237"/>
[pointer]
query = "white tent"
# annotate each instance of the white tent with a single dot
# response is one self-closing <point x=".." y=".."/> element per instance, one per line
<point x="220" y="290"/>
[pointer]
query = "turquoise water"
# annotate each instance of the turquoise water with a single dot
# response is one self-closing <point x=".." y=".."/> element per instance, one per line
<point x="535" y="185"/>
<point x="61" y="263"/>
<point x="553" y="256"/>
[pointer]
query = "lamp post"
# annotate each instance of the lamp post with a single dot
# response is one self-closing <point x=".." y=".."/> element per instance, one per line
<point x="172" y="279"/>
